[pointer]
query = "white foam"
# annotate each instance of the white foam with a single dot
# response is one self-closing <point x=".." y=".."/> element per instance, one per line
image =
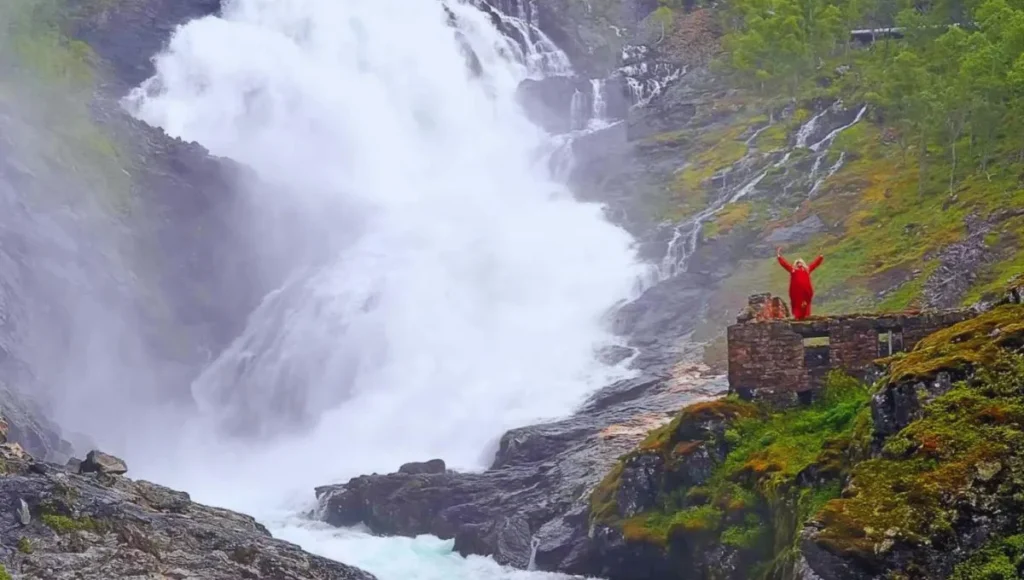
<point x="469" y="301"/>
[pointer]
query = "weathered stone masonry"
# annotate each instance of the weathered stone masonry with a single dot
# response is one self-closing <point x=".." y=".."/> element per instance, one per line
<point x="786" y="360"/>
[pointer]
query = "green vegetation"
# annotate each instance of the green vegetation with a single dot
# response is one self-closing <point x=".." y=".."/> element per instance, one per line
<point x="779" y="468"/>
<point x="969" y="440"/>
<point x="942" y="139"/>
<point x="718" y="150"/>
<point x="1002" y="560"/>
<point x="976" y="343"/>
<point x="50" y="78"/>
<point x="65" y="524"/>
<point x="25" y="545"/>
<point x="4" y="574"/>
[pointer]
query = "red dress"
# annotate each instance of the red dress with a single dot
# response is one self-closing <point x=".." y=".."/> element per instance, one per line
<point x="801" y="292"/>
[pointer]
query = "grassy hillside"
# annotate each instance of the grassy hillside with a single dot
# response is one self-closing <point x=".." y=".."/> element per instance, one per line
<point x="941" y="142"/>
<point x="48" y="80"/>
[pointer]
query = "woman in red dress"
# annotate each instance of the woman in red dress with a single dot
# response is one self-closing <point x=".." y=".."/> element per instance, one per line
<point x="801" y="292"/>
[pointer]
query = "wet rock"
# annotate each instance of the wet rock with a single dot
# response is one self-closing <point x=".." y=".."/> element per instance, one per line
<point x="432" y="466"/>
<point x="657" y="321"/>
<point x="128" y="34"/>
<point x="613" y="355"/>
<point x="537" y="487"/>
<point x="100" y="462"/>
<point x="593" y="39"/>
<point x="797" y="233"/>
<point x="73" y="465"/>
<point x="88" y="527"/>
<point x="641" y="481"/>
<point x="28" y="426"/>
<point x="548" y="101"/>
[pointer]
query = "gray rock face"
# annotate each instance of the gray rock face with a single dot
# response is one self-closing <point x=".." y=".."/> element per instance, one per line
<point x="128" y="33"/>
<point x="959" y="266"/>
<point x="537" y="489"/>
<point x="548" y="102"/>
<point x="661" y="317"/>
<point x="102" y="526"/>
<point x="591" y="33"/>
<point x="28" y="426"/>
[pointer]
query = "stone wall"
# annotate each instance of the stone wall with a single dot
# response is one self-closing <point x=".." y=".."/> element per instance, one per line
<point x="785" y="361"/>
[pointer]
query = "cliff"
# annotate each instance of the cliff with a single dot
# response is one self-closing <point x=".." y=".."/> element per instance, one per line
<point x="913" y="476"/>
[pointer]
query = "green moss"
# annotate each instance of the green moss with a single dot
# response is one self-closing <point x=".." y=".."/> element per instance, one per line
<point x="25" y="545"/>
<point x="972" y="343"/>
<point x="749" y="534"/>
<point x="756" y="496"/>
<point x="64" y="524"/>
<point x="973" y="434"/>
<point x="772" y="138"/>
<point x="995" y="276"/>
<point x="720" y="149"/>
<point x="1002" y="559"/>
<point x="603" y="505"/>
<point x="51" y="77"/>
<point x="4" y="574"/>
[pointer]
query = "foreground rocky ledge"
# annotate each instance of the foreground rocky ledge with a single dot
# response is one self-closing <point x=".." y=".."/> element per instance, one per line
<point x="85" y="521"/>
<point x="533" y="503"/>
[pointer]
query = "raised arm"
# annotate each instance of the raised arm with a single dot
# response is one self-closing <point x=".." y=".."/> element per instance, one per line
<point x="817" y="262"/>
<point x="784" y="263"/>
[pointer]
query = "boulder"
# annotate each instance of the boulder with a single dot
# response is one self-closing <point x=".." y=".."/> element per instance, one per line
<point x="432" y="466"/>
<point x="100" y="462"/>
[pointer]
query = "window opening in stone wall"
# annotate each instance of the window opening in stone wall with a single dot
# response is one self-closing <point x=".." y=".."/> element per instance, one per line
<point x="890" y="342"/>
<point x="816" y="354"/>
<point x="816" y="341"/>
<point x="805" y="397"/>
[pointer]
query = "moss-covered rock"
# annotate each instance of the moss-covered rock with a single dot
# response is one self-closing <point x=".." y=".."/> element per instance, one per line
<point x="843" y="488"/>
<point x="941" y="488"/>
<point x="722" y="491"/>
<point x="941" y="359"/>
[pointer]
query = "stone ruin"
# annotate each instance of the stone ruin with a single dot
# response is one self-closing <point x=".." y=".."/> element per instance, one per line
<point x="785" y="361"/>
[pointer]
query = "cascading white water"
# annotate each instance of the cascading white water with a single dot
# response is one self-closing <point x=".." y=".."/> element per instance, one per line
<point x="599" y="108"/>
<point x="686" y="234"/>
<point x="578" y="111"/>
<point x="469" y="302"/>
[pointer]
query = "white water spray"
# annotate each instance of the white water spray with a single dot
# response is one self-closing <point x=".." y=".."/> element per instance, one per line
<point x="470" y="301"/>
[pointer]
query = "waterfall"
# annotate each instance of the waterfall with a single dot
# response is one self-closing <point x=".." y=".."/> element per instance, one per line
<point x="599" y="108"/>
<point x="520" y="34"/>
<point x="467" y="297"/>
<point x="686" y="234"/>
<point x="578" y="111"/>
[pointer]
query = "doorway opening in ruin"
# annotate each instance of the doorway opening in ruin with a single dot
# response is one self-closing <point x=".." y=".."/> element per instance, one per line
<point x="817" y="361"/>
